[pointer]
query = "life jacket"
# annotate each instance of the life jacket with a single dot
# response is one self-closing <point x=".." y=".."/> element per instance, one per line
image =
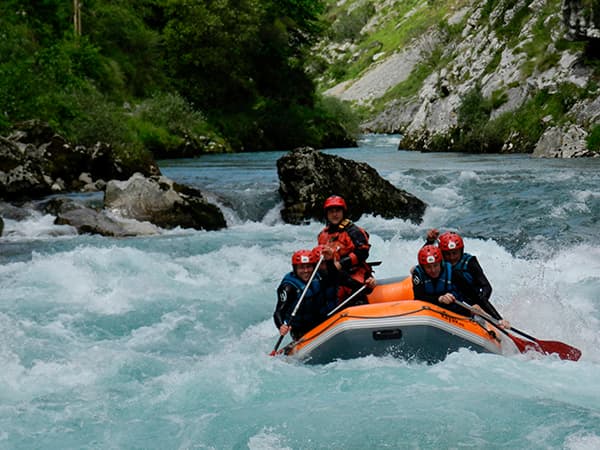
<point x="461" y="268"/>
<point x="440" y="286"/>
<point x="313" y="290"/>
<point x="339" y="238"/>
<point x="310" y="309"/>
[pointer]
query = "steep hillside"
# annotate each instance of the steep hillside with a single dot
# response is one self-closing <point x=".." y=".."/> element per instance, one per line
<point x="475" y="76"/>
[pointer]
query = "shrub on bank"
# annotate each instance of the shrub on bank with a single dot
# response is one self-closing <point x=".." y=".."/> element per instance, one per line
<point x="517" y="130"/>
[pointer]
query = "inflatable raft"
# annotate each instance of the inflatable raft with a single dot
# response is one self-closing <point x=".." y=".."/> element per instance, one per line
<point x="394" y="324"/>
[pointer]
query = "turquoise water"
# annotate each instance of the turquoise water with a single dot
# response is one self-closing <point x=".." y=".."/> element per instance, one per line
<point x="162" y="342"/>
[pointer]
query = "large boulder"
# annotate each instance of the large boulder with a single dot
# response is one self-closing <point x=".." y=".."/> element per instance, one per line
<point x="21" y="175"/>
<point x="307" y="177"/>
<point x="162" y="202"/>
<point x="86" y="219"/>
<point x="568" y="141"/>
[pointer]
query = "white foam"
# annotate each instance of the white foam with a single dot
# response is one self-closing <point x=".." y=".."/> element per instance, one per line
<point x="36" y="226"/>
<point x="582" y="441"/>
<point x="266" y="439"/>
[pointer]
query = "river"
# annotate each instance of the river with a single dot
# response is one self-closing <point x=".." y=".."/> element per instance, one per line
<point x="163" y="342"/>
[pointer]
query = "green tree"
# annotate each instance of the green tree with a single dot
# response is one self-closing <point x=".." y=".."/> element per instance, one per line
<point x="47" y="19"/>
<point x="246" y="57"/>
<point x="129" y="35"/>
<point x="238" y="64"/>
<point x="207" y="47"/>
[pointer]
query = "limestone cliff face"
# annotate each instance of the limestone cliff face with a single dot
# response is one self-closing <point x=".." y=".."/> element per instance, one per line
<point x="527" y="60"/>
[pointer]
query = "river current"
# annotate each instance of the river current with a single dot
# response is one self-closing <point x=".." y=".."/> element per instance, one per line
<point x="163" y="342"/>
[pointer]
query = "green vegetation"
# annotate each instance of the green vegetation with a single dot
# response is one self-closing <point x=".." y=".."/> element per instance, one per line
<point x="510" y="30"/>
<point x="403" y="22"/>
<point x="413" y="83"/>
<point x="165" y="124"/>
<point x="476" y="133"/>
<point x="169" y="76"/>
<point x="593" y="140"/>
<point x="494" y="63"/>
<point x="480" y="127"/>
<point x="347" y="24"/>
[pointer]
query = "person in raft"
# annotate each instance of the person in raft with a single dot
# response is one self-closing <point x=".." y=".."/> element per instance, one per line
<point x="468" y="274"/>
<point x="313" y="308"/>
<point x="333" y="279"/>
<point x="432" y="280"/>
<point x="348" y="245"/>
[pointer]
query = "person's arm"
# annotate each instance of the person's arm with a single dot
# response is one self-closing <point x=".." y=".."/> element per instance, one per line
<point x="286" y="298"/>
<point x="361" y="248"/>
<point x="483" y="288"/>
<point x="432" y="236"/>
<point x="480" y="281"/>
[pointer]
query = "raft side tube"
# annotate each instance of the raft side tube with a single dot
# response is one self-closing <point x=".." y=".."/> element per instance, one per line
<point x="391" y="290"/>
<point x="409" y="329"/>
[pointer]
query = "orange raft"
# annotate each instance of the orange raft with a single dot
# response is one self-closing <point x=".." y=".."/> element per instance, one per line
<point x="396" y="325"/>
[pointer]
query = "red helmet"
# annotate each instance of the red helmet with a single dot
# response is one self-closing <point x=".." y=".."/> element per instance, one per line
<point x="304" y="257"/>
<point x="335" y="201"/>
<point x="450" y="241"/>
<point x="429" y="254"/>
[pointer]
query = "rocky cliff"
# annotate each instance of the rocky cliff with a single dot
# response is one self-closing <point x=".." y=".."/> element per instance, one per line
<point x="472" y="76"/>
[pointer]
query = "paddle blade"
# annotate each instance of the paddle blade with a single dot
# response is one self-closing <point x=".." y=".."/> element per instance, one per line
<point x="564" y="351"/>
<point x="561" y="349"/>
<point x="523" y="345"/>
<point x="274" y="351"/>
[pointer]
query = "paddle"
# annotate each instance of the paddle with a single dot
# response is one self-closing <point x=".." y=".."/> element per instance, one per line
<point x="564" y="351"/>
<point x="274" y="351"/>
<point x="362" y="288"/>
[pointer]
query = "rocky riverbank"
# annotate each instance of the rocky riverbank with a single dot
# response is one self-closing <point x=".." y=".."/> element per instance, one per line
<point x="482" y="77"/>
<point x="37" y="164"/>
<point x="41" y="171"/>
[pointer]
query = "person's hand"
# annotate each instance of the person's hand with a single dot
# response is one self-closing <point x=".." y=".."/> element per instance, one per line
<point x="283" y="329"/>
<point x="371" y="282"/>
<point x="327" y="252"/>
<point x="478" y="308"/>
<point x="504" y="324"/>
<point x="323" y="250"/>
<point x="432" y="234"/>
<point x="446" y="299"/>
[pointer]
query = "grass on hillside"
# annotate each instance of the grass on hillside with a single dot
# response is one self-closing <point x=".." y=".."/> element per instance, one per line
<point x="399" y="24"/>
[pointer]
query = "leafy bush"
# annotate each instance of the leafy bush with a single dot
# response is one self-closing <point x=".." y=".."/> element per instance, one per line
<point x="476" y="133"/>
<point x="44" y="82"/>
<point x="172" y="111"/>
<point x="18" y="83"/>
<point x="593" y="139"/>
<point x="158" y="140"/>
<point x="474" y="110"/>
<point x="166" y="121"/>
<point x="85" y="116"/>
<point x="342" y="111"/>
<point x="348" y="24"/>
<point x="337" y="123"/>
